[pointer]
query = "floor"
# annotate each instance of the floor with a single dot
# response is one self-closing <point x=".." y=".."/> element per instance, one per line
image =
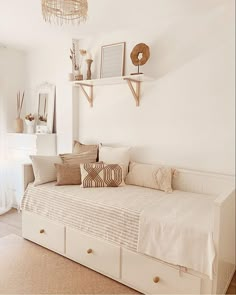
<point x="47" y="272"/>
<point x="10" y="223"/>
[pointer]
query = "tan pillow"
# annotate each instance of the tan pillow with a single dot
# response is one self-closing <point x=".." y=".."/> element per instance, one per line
<point x="68" y="174"/>
<point x="77" y="159"/>
<point x="81" y="148"/>
<point x="151" y="176"/>
<point x="44" y="169"/>
<point x="101" y="175"/>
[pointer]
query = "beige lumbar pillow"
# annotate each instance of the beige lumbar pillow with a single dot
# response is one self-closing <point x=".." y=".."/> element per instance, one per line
<point x="151" y="176"/>
<point x="101" y="175"/>
<point x="44" y="168"/>
<point x="110" y="155"/>
<point x="68" y="174"/>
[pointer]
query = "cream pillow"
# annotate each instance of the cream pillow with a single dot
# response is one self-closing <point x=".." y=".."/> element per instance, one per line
<point x="151" y="176"/>
<point x="115" y="155"/>
<point x="101" y="175"/>
<point x="44" y="168"/>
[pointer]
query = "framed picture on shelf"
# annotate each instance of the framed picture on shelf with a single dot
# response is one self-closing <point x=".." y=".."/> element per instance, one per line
<point x="112" y="60"/>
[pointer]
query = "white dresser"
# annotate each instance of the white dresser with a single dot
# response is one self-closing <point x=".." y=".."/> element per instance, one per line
<point x="19" y="147"/>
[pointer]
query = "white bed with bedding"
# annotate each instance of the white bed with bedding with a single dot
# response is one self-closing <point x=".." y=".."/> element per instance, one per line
<point x="153" y="241"/>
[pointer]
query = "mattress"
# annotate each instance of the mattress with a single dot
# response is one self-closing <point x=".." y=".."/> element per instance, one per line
<point x="175" y="227"/>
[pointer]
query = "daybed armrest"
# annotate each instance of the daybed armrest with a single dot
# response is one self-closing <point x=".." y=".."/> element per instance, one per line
<point x="224" y="196"/>
<point x="224" y="238"/>
<point x="28" y="175"/>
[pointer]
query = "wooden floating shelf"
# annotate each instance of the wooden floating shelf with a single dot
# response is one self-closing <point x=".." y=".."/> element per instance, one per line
<point x="130" y="80"/>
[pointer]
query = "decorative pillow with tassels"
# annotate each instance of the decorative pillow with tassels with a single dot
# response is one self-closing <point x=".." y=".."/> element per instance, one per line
<point x="151" y="176"/>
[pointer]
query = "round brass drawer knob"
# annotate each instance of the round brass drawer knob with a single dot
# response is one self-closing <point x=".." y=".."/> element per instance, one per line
<point x="42" y="231"/>
<point x="89" y="251"/>
<point x="156" y="280"/>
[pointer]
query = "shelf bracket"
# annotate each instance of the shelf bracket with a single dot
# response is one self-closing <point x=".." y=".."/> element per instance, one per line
<point x="88" y="96"/>
<point x="135" y="92"/>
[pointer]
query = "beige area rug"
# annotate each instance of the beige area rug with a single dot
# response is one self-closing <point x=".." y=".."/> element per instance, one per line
<point x="26" y="268"/>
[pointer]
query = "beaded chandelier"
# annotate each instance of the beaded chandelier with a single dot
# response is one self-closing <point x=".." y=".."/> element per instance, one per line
<point x="65" y="11"/>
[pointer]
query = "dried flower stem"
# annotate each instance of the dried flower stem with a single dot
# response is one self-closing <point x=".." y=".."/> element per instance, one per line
<point x="19" y="103"/>
<point x="82" y="52"/>
<point x="73" y="57"/>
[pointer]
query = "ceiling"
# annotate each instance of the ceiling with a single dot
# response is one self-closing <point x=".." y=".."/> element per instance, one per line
<point x="22" y="25"/>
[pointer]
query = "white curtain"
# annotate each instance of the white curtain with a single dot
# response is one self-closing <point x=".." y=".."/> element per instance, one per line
<point x="5" y="195"/>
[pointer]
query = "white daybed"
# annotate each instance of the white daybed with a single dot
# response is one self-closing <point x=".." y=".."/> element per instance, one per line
<point x="96" y="243"/>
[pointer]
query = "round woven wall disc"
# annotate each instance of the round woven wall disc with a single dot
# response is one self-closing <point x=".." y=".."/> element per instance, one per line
<point x="140" y="50"/>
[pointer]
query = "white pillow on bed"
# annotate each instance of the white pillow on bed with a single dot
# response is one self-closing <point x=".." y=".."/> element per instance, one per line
<point x="115" y="155"/>
<point x="44" y="168"/>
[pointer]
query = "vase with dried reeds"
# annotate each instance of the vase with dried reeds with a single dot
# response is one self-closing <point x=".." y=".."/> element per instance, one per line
<point x="77" y="65"/>
<point x="19" y="124"/>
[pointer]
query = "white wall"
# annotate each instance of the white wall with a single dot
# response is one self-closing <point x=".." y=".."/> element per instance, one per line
<point x="186" y="116"/>
<point x="12" y="79"/>
<point x="51" y="64"/>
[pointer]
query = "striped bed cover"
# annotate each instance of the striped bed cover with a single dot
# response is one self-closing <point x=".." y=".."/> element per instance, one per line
<point x="148" y="221"/>
<point x="101" y="212"/>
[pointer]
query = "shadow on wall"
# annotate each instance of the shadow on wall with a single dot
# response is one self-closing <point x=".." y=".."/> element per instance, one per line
<point x="186" y="40"/>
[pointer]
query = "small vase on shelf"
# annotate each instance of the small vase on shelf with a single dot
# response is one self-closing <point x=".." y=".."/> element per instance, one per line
<point x="29" y="121"/>
<point x="78" y="75"/>
<point x="19" y="126"/>
<point x="71" y="77"/>
<point x="89" y="62"/>
<point x="29" y="126"/>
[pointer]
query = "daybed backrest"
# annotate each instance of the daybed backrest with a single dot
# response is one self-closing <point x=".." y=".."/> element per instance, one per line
<point x="184" y="180"/>
<point x="28" y="175"/>
<point x="202" y="182"/>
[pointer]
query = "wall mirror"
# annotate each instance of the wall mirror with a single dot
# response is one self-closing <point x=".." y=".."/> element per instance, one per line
<point x="45" y="111"/>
